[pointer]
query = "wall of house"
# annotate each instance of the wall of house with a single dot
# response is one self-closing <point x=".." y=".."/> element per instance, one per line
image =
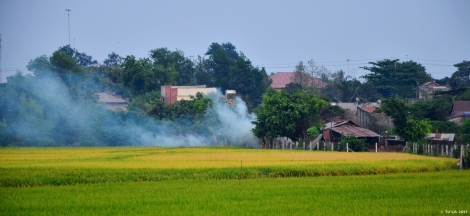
<point x="170" y="94"/>
<point x="116" y="106"/>
<point x="186" y="93"/>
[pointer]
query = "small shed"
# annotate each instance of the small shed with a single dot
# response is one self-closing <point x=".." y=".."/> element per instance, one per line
<point x="111" y="102"/>
<point x="333" y="132"/>
<point x="441" y="138"/>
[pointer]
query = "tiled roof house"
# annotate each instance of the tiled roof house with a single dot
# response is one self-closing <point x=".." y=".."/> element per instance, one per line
<point x="281" y="79"/>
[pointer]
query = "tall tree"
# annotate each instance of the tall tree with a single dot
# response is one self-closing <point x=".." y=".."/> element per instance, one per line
<point x="395" y="78"/>
<point x="461" y="78"/>
<point x="176" y="60"/>
<point x="227" y="69"/>
<point x="81" y="59"/>
<point x="404" y="125"/>
<point x="283" y="114"/>
<point x="113" y="60"/>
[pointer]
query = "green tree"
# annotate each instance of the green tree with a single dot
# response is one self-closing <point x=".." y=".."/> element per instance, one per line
<point x="461" y="78"/>
<point x="113" y="60"/>
<point x="416" y="130"/>
<point x="404" y="126"/>
<point x="287" y="115"/>
<point x="178" y="62"/>
<point x="465" y="131"/>
<point x="436" y="109"/>
<point x="138" y="75"/>
<point x="81" y="59"/>
<point x="396" y="79"/>
<point x="226" y="69"/>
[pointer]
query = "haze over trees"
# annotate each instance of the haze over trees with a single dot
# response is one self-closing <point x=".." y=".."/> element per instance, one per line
<point x="57" y="105"/>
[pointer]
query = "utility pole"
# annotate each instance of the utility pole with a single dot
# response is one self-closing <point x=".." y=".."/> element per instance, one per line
<point x="68" y="17"/>
<point x="0" y="58"/>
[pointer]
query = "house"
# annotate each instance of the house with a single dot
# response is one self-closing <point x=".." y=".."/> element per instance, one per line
<point x="460" y="112"/>
<point x="333" y="132"/>
<point x="377" y="122"/>
<point x="429" y="88"/>
<point x="170" y="94"/>
<point x="281" y="79"/>
<point x="111" y="102"/>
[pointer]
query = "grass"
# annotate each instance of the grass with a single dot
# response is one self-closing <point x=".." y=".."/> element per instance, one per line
<point x="391" y="194"/>
<point x="25" y="167"/>
<point x="212" y="181"/>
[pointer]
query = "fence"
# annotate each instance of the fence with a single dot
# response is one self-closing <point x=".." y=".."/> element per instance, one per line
<point x="461" y="151"/>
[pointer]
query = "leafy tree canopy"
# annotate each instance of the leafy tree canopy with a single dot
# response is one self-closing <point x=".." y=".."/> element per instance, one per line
<point x="461" y="78"/>
<point x="283" y="114"/>
<point x="393" y="78"/>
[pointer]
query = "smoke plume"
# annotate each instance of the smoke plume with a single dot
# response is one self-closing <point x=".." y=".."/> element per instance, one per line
<point x="47" y="113"/>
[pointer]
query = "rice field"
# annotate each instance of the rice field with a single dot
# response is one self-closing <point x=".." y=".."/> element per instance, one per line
<point x="226" y="181"/>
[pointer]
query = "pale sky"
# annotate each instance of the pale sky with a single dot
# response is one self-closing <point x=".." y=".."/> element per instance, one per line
<point x="272" y="34"/>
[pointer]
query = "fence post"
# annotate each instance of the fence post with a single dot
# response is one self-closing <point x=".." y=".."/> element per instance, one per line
<point x="332" y="146"/>
<point x="375" y="147"/>
<point x="347" y="147"/>
<point x="318" y="146"/>
<point x="461" y="156"/>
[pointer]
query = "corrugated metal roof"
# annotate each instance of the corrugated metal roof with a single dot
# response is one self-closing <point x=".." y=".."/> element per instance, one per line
<point x="459" y="107"/>
<point x="355" y="131"/>
<point x="107" y="98"/>
<point x="441" y="136"/>
<point x="281" y="79"/>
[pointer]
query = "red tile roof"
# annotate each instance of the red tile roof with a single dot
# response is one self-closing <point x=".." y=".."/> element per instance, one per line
<point x="368" y="109"/>
<point x="431" y="84"/>
<point x="281" y="79"/>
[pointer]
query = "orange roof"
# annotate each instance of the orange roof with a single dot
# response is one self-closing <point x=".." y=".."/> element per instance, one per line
<point x="368" y="109"/>
<point x="281" y="79"/>
<point x="431" y="84"/>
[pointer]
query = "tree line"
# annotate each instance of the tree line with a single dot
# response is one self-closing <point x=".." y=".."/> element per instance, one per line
<point x="296" y="112"/>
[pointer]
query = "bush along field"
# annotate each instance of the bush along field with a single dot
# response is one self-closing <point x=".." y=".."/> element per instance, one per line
<point x="221" y="181"/>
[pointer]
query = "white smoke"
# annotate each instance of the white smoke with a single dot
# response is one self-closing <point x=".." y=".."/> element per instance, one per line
<point x="228" y="125"/>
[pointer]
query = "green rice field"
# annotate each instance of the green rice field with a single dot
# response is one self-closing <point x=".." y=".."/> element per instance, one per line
<point x="227" y="181"/>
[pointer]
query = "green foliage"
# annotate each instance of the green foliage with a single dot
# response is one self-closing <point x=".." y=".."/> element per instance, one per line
<point x="287" y="115"/>
<point x="463" y="97"/>
<point x="396" y="79"/>
<point x="150" y="103"/>
<point x="397" y="110"/>
<point x="227" y="69"/>
<point x="313" y="132"/>
<point x="330" y="112"/>
<point x="465" y="130"/>
<point x="113" y="60"/>
<point x="407" y="128"/>
<point x="444" y="127"/>
<point x="436" y="109"/>
<point x="353" y="143"/>
<point x="461" y="78"/>
<point x="416" y="130"/>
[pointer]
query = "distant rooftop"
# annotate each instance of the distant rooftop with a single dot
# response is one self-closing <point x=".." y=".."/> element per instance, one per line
<point x="281" y="79"/>
<point x="107" y="98"/>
